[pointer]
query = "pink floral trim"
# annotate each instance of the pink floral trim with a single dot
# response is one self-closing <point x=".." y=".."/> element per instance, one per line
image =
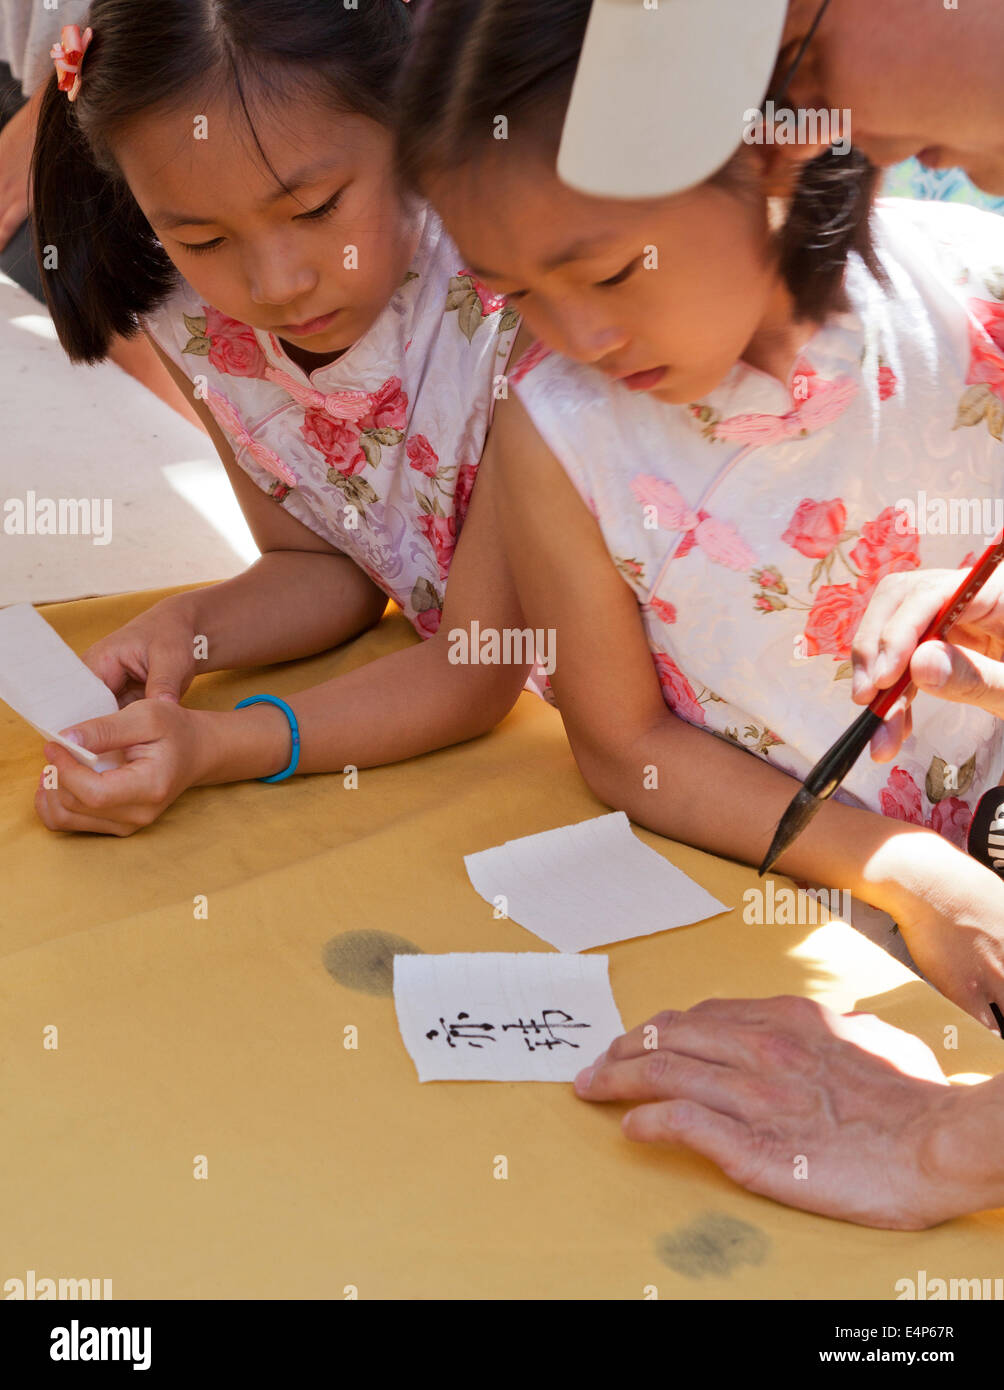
<point x="490" y="303"/>
<point x="337" y="440"/>
<point x="817" y="530"/>
<point x="901" y="799"/>
<point x="441" y="531"/>
<point x="466" y="478"/>
<point x="664" y="611"/>
<point x="677" y="690"/>
<point x="342" y="405"/>
<point x="533" y="356"/>
<point x="887" y="382"/>
<point x="719" y="540"/>
<point x="226" y="414"/>
<point x="817" y="404"/>
<point x="234" y="349"/>
<point x="422" y="456"/>
<point x="816" y="527"/>
<point x="986" y="341"/>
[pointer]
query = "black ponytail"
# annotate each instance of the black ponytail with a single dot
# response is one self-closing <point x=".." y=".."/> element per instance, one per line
<point x="829" y="217"/>
<point x="101" y="263"/>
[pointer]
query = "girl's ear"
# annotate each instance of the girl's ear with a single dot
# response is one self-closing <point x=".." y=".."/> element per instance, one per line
<point x="775" y="170"/>
<point x="782" y="167"/>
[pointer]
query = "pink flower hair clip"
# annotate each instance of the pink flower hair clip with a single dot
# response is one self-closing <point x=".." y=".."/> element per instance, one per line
<point x="68" y="56"/>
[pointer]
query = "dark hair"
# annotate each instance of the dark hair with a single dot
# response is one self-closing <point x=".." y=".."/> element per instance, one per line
<point x="111" y="269"/>
<point x="472" y="59"/>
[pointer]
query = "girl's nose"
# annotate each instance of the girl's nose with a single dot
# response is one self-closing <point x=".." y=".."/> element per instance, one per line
<point x="581" y="336"/>
<point x="277" y="280"/>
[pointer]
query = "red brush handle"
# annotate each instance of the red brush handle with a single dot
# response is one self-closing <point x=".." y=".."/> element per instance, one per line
<point x="945" y="619"/>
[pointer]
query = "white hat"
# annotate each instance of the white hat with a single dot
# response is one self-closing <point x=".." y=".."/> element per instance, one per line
<point x="663" y="92"/>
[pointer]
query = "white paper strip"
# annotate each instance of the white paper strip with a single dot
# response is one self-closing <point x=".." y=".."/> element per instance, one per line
<point x="45" y="682"/>
<point x="589" y="885"/>
<point x="490" y="1016"/>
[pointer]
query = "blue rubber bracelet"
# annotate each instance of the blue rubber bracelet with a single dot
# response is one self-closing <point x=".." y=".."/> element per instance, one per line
<point x="293" y="728"/>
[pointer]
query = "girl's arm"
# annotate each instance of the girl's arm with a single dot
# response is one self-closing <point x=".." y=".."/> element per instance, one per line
<point x="301" y="597"/>
<point x="399" y="706"/>
<point x="404" y="704"/>
<point x="710" y="793"/>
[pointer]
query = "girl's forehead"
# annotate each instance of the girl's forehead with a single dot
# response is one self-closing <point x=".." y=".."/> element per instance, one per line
<point x="211" y="156"/>
<point x="511" y="218"/>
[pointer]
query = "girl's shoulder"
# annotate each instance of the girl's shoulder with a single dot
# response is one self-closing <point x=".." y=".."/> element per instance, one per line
<point x="179" y="317"/>
<point x="953" y="246"/>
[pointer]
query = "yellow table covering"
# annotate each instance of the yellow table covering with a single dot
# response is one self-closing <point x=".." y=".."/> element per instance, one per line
<point x="333" y="1170"/>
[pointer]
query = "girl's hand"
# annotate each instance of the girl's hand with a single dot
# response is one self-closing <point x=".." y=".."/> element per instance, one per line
<point x="165" y="753"/>
<point x="950" y="910"/>
<point x="152" y="657"/>
<point x="967" y="670"/>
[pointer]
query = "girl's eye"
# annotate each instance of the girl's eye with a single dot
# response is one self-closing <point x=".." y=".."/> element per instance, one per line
<point x="314" y="215"/>
<point x="622" y="275"/>
<point x="202" y="245"/>
<point x="317" y="213"/>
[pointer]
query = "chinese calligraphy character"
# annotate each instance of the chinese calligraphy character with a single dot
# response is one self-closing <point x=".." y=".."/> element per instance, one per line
<point x="466" y="1031"/>
<point x="547" y="1027"/>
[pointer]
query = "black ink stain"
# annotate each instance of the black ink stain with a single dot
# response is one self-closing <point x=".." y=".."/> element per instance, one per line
<point x="713" y="1245"/>
<point x="364" y="960"/>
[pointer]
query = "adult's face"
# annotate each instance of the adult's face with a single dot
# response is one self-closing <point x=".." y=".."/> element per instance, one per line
<point x="918" y="79"/>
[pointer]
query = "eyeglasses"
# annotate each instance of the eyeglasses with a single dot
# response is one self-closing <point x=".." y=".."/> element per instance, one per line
<point x="790" y="74"/>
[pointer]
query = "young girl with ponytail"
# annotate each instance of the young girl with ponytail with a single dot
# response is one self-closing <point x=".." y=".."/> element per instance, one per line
<point x="219" y="174"/>
<point x="715" y="453"/>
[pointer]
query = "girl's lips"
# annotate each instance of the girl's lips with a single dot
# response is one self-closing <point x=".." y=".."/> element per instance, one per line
<point x="644" y="381"/>
<point x="309" y="329"/>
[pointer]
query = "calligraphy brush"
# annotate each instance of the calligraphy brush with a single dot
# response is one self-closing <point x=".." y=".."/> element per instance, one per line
<point x="827" y="775"/>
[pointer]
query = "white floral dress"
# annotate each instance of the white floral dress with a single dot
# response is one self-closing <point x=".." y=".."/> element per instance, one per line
<point x="754" y="524"/>
<point x="378" y="451"/>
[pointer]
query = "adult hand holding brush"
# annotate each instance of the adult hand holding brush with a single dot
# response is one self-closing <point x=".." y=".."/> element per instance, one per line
<point x="966" y="669"/>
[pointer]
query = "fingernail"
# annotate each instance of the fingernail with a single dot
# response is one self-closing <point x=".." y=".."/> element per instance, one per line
<point x="73" y="737"/>
<point x="860" y="682"/>
<point x="584" y="1078"/>
<point x="939" y="668"/>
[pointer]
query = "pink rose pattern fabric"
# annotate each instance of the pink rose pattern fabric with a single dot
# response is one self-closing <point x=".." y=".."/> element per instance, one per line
<point x="392" y="488"/>
<point x="755" y="524"/>
<point x="902" y="799"/>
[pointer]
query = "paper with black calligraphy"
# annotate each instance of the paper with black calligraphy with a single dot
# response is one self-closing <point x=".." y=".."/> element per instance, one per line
<point x="588" y="885"/>
<point x="45" y="682"/>
<point x="492" y="1016"/>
